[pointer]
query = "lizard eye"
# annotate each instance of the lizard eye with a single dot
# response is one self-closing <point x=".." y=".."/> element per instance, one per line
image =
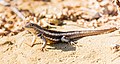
<point x="31" y="24"/>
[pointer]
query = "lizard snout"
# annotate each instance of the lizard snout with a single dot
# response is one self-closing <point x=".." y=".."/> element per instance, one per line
<point x="29" y="25"/>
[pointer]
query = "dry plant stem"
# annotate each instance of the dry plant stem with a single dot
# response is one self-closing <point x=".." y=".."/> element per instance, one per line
<point x="4" y="3"/>
<point x="15" y="10"/>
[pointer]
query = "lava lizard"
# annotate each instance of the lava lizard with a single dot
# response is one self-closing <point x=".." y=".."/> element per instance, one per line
<point x="59" y="36"/>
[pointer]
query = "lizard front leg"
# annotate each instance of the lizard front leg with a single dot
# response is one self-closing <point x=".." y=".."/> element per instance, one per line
<point x="44" y="43"/>
<point x="33" y="40"/>
<point x="66" y="39"/>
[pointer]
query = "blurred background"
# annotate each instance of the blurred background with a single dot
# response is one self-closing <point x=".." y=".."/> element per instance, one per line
<point x="83" y="13"/>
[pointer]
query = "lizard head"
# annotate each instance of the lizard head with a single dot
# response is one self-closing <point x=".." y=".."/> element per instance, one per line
<point x="29" y="25"/>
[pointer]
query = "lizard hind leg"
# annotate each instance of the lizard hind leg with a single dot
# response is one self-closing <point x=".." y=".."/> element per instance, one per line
<point x="65" y="39"/>
<point x="72" y="42"/>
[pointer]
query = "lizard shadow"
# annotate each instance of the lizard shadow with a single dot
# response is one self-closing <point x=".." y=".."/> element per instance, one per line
<point x="65" y="46"/>
<point x="62" y="46"/>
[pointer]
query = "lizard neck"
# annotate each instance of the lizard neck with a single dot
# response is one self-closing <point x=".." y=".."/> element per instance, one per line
<point x="38" y="28"/>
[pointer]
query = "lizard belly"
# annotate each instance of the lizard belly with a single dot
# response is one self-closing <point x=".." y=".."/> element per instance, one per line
<point x="51" y="40"/>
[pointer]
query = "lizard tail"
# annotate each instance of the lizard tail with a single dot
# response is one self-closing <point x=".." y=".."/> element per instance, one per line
<point x="93" y="32"/>
<point x="96" y="32"/>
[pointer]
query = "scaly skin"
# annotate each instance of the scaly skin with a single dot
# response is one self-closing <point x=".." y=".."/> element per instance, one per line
<point x="57" y="36"/>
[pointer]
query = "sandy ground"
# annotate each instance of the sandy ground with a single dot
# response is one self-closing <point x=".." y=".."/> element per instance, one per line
<point x="98" y="49"/>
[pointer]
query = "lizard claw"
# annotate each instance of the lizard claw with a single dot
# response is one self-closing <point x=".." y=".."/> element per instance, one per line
<point x="43" y="49"/>
<point x="73" y="43"/>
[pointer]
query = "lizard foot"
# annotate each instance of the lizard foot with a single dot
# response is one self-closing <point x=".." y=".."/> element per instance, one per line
<point x="42" y="49"/>
<point x="73" y="43"/>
